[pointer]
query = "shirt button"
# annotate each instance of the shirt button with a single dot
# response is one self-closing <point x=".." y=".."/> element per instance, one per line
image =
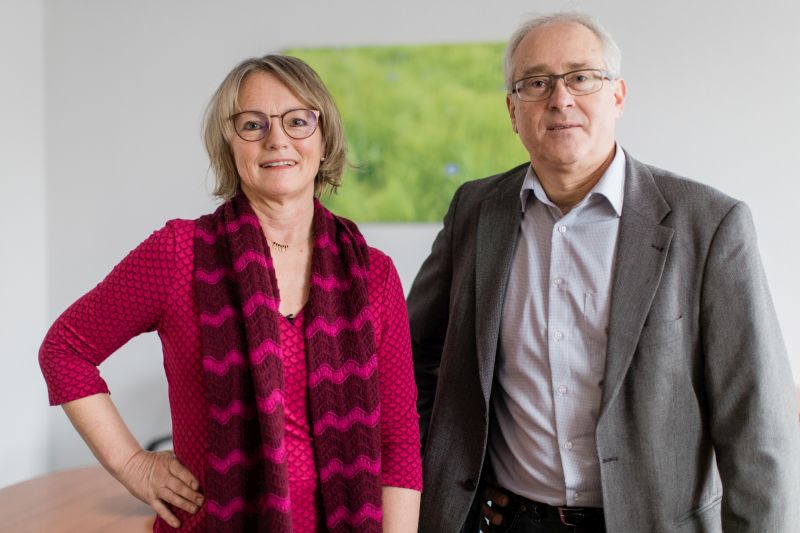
<point x="562" y="229"/>
<point x="558" y="281"/>
<point x="568" y="445"/>
<point x="562" y="390"/>
<point x="559" y="335"/>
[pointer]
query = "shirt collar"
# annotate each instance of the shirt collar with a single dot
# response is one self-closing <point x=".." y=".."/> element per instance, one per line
<point x="611" y="185"/>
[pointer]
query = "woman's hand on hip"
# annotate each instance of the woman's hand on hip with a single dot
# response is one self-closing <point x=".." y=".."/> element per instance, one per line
<point x="158" y="478"/>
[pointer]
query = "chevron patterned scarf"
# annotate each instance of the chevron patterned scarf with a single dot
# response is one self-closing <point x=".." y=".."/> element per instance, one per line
<point x="246" y="485"/>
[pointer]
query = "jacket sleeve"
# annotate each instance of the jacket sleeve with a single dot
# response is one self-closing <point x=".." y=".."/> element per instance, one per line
<point x="428" y="312"/>
<point x="751" y="403"/>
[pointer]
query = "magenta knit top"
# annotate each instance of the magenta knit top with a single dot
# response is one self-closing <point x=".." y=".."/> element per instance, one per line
<point x="152" y="290"/>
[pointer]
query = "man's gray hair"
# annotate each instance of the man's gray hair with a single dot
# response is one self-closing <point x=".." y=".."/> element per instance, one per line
<point x="611" y="52"/>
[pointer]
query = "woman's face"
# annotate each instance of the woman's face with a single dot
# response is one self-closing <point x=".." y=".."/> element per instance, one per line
<point x="278" y="167"/>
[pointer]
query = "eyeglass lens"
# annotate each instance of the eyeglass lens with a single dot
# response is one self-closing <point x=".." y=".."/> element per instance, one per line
<point x="254" y="125"/>
<point x="578" y="82"/>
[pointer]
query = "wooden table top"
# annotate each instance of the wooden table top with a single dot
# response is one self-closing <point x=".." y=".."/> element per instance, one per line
<point x="81" y="500"/>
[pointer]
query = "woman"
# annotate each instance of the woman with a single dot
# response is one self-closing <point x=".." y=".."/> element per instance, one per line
<point x="285" y="337"/>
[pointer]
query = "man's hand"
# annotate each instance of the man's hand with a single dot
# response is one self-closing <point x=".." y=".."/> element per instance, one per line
<point x="493" y="502"/>
<point x="158" y="478"/>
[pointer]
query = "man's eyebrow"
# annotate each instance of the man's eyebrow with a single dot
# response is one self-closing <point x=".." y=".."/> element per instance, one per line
<point x="534" y="70"/>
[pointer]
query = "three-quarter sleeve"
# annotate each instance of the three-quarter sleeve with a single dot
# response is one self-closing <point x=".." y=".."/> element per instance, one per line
<point x="400" y="445"/>
<point x="129" y="301"/>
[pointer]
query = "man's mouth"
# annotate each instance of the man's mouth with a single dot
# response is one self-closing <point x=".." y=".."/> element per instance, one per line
<point x="558" y="127"/>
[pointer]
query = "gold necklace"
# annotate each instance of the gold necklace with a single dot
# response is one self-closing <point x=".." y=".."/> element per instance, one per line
<point x="278" y="246"/>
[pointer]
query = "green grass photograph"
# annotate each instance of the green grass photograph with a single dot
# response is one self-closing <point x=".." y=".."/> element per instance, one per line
<point x="419" y="121"/>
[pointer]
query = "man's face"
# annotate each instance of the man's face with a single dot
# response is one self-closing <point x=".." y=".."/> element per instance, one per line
<point x="565" y="133"/>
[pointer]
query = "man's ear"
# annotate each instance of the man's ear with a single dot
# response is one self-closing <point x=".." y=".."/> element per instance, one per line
<point x="620" y="91"/>
<point x="511" y="108"/>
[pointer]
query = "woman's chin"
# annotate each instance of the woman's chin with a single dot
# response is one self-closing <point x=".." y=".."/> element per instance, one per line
<point x="278" y="192"/>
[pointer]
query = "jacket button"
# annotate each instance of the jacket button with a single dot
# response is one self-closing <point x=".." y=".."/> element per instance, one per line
<point x="470" y="484"/>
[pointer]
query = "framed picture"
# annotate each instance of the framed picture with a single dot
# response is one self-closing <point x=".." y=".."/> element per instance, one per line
<point x="419" y="121"/>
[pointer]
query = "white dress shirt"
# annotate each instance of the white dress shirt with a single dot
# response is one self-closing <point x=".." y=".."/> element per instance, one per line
<point x="552" y="354"/>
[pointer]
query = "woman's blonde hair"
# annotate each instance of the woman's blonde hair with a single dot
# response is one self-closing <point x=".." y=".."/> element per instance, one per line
<point x="307" y="85"/>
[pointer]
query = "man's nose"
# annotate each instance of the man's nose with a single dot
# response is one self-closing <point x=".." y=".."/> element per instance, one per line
<point x="561" y="97"/>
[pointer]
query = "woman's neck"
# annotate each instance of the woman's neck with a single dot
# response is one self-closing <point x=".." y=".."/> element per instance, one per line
<point x="285" y="222"/>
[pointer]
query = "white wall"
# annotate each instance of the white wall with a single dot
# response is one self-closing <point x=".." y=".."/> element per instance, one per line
<point x="127" y="83"/>
<point x="23" y="306"/>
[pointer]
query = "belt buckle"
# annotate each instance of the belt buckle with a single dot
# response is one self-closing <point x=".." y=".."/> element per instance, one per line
<point x="563" y="515"/>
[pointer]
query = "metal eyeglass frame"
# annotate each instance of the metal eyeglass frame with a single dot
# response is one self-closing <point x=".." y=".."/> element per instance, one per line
<point x="553" y="79"/>
<point x="265" y="131"/>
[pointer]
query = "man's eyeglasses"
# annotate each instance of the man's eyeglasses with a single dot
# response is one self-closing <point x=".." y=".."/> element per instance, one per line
<point x="296" y="123"/>
<point x="577" y="82"/>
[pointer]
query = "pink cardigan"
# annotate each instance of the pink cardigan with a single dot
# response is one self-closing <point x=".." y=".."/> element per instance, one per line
<point x="152" y="290"/>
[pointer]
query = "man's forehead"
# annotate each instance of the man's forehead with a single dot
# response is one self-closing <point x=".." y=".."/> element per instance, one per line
<point x="540" y="68"/>
<point x="557" y="48"/>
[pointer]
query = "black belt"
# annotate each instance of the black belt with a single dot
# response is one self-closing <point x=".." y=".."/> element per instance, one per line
<point x="580" y="517"/>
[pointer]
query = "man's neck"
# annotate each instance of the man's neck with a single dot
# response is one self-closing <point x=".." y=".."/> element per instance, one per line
<point x="567" y="187"/>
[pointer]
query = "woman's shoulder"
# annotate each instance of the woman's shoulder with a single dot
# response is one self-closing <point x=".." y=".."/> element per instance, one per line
<point x="181" y="225"/>
<point x="172" y="229"/>
<point x="180" y="231"/>
<point x="174" y="239"/>
<point x="379" y="263"/>
<point x="383" y="276"/>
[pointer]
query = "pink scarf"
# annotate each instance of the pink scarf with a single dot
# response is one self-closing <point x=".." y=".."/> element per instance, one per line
<point x="246" y="486"/>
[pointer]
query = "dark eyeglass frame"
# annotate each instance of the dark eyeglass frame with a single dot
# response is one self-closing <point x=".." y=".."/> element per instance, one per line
<point x="553" y="79"/>
<point x="268" y="123"/>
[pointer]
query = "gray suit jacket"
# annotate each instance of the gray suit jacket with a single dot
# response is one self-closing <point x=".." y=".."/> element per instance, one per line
<point x="697" y="430"/>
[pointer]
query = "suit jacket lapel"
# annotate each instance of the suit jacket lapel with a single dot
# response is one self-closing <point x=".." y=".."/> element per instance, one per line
<point x="498" y="227"/>
<point x="642" y="248"/>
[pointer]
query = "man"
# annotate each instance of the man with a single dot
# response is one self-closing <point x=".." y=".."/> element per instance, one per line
<point x="594" y="341"/>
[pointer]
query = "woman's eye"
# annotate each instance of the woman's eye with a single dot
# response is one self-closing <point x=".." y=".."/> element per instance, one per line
<point x="251" y="126"/>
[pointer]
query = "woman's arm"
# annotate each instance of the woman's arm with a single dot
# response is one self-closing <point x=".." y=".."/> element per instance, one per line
<point x="129" y="301"/>
<point x="400" y="457"/>
<point x="400" y="509"/>
<point x="156" y="478"/>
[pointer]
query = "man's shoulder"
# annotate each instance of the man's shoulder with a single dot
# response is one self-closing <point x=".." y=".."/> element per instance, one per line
<point x="681" y="191"/>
